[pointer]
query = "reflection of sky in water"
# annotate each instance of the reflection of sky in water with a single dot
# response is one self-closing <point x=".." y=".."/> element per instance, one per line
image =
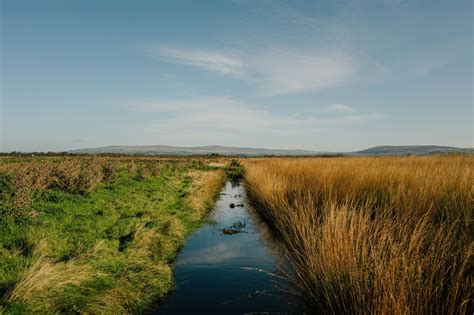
<point x="210" y="270"/>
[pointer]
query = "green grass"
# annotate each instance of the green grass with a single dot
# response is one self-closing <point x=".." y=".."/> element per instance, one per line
<point x="102" y="251"/>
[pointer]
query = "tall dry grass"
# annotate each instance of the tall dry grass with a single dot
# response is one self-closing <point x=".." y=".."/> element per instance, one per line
<point x="372" y="235"/>
<point x="204" y="192"/>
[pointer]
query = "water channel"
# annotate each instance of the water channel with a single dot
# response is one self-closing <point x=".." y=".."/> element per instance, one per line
<point x="227" y="266"/>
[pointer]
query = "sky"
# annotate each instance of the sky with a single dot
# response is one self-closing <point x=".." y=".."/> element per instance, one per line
<point x="317" y="75"/>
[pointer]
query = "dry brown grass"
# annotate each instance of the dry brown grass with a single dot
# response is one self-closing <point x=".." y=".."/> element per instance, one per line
<point x="45" y="281"/>
<point x="75" y="175"/>
<point x="80" y="174"/>
<point x="204" y="191"/>
<point x="372" y="235"/>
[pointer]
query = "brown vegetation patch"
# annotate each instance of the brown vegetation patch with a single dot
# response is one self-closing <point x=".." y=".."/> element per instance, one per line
<point x="204" y="191"/>
<point x="372" y="235"/>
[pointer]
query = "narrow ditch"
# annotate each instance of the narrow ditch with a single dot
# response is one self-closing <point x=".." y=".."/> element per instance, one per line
<point x="228" y="267"/>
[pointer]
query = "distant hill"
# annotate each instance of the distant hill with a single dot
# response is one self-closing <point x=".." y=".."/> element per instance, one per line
<point x="413" y="149"/>
<point x="202" y="150"/>
<point x="242" y="151"/>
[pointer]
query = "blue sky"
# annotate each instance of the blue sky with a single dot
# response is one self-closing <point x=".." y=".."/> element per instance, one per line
<point x="321" y="75"/>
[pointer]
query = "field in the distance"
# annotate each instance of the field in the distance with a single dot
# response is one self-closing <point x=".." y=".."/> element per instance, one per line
<point x="390" y="235"/>
<point x="96" y="234"/>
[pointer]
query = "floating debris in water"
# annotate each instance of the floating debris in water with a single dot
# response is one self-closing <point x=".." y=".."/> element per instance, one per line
<point x="230" y="231"/>
<point x="235" y="228"/>
<point x="239" y="225"/>
<point x="233" y="205"/>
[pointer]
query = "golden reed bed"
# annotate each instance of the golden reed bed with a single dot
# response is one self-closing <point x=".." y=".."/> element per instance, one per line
<point x="372" y="235"/>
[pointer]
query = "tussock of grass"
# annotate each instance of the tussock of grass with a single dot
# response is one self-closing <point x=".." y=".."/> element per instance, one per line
<point x="96" y="235"/>
<point x="372" y="235"/>
<point x="47" y="284"/>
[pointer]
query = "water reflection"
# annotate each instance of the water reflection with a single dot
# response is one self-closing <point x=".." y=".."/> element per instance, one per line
<point x="227" y="273"/>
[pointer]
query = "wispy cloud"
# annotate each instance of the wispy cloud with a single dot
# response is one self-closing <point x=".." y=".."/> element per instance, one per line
<point x="226" y="116"/>
<point x="335" y="114"/>
<point x="339" y="108"/>
<point x="272" y="71"/>
<point x="208" y="60"/>
<point x="282" y="71"/>
<point x="213" y="114"/>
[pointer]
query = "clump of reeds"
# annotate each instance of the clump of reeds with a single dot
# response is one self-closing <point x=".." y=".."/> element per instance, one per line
<point x="372" y="235"/>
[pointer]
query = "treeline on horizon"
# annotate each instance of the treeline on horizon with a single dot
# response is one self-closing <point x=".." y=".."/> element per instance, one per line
<point x="216" y="155"/>
<point x="209" y="155"/>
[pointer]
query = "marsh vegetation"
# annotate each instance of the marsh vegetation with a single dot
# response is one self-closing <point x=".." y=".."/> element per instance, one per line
<point x="390" y="235"/>
<point x="358" y="235"/>
<point x="96" y="234"/>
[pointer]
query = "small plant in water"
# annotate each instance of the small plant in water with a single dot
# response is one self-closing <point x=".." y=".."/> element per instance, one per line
<point x="234" y="172"/>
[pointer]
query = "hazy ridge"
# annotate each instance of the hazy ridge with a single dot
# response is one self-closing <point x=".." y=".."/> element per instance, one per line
<point x="413" y="149"/>
<point x="244" y="151"/>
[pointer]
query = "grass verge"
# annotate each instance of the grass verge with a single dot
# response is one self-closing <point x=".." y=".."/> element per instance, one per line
<point x="96" y="235"/>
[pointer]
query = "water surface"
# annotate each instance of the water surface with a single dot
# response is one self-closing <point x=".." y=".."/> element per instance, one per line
<point x="219" y="273"/>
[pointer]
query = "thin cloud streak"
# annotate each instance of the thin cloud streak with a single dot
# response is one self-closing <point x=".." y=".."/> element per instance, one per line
<point x="283" y="72"/>
<point x="271" y="72"/>
<point x="208" y="60"/>
<point x="225" y="115"/>
<point x="339" y="108"/>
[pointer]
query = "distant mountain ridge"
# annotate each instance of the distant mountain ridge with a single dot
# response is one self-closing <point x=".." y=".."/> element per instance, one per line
<point x="413" y="149"/>
<point x="243" y="151"/>
<point x="200" y="150"/>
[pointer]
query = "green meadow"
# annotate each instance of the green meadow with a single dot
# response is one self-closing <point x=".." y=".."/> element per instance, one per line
<point x="96" y="234"/>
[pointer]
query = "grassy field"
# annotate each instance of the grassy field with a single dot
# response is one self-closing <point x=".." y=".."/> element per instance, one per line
<point x="96" y="234"/>
<point x="389" y="235"/>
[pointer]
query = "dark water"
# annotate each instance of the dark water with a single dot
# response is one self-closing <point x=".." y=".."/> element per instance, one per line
<point x="227" y="274"/>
